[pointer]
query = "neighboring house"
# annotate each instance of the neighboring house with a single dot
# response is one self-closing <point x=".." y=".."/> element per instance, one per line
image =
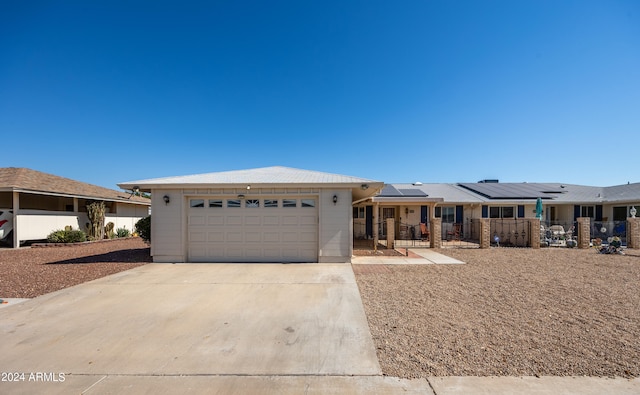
<point x="272" y="214"/>
<point x="461" y="203"/>
<point x="42" y="203"/>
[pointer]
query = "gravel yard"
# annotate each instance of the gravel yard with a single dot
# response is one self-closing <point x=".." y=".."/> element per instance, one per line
<point x="31" y="272"/>
<point x="507" y="312"/>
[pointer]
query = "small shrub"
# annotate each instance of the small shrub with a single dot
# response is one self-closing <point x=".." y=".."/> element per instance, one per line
<point x="67" y="236"/>
<point x="122" y="232"/>
<point x="143" y="228"/>
<point x="108" y="231"/>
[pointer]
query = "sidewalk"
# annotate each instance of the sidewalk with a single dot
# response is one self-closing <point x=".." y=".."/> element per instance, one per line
<point x="417" y="256"/>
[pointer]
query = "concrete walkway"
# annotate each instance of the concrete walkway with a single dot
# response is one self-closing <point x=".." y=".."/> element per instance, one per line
<point x="221" y="329"/>
<point x="417" y="256"/>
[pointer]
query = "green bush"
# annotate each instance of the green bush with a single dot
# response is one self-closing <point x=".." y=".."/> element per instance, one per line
<point x="122" y="232"/>
<point x="143" y="228"/>
<point x="67" y="236"/>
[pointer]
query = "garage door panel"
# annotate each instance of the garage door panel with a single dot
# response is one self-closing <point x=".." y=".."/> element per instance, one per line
<point x="198" y="252"/>
<point x="272" y="237"/>
<point x="216" y="252"/>
<point x="234" y="237"/>
<point x="253" y="237"/>
<point x="252" y="220"/>
<point x="308" y="220"/>
<point x="308" y="237"/>
<point x="290" y="220"/>
<point x="271" y="220"/>
<point x="197" y="237"/>
<point x="217" y="237"/>
<point x="234" y="220"/>
<point x="289" y="237"/>
<point x="196" y="220"/>
<point x="234" y="252"/>
<point x="309" y="254"/>
<point x="215" y="220"/>
<point x="272" y="252"/>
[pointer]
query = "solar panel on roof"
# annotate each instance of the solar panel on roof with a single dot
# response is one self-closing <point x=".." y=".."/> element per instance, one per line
<point x="412" y="192"/>
<point x="513" y="191"/>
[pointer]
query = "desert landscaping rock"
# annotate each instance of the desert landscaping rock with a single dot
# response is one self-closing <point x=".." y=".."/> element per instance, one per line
<point x="31" y="272"/>
<point x="507" y="312"/>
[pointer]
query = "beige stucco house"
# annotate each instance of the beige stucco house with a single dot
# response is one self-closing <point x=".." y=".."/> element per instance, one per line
<point x="271" y="214"/>
<point x="42" y="202"/>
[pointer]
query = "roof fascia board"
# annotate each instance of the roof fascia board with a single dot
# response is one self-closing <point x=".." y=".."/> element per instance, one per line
<point x="350" y="185"/>
<point x="400" y="200"/>
<point x="123" y="200"/>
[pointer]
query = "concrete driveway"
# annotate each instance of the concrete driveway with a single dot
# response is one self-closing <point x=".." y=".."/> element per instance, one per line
<point x="223" y="328"/>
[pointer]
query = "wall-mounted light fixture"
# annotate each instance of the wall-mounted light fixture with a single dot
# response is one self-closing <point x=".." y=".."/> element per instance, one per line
<point x="633" y="212"/>
<point x="166" y="199"/>
<point x="364" y="187"/>
<point x="248" y="187"/>
<point x="335" y="199"/>
<point x="406" y="211"/>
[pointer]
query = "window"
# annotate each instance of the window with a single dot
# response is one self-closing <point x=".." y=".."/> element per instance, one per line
<point x="620" y="213"/>
<point x="448" y="215"/>
<point x="501" y="212"/>
<point x="289" y="203"/>
<point x="233" y="203"/>
<point x="252" y="203"/>
<point x="307" y="203"/>
<point x="271" y="202"/>
<point x="215" y="203"/>
<point x="358" y="212"/>
<point x="196" y="203"/>
<point x="587" y="211"/>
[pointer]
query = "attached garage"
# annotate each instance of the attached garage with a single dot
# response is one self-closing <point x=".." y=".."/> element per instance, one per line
<point x="273" y="214"/>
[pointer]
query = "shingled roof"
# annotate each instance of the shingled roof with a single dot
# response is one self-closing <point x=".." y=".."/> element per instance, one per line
<point x="28" y="180"/>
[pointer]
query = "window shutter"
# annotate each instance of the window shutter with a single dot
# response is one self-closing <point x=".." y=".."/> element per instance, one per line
<point x="485" y="211"/>
<point x="424" y="214"/>
<point x="368" y="225"/>
<point x="438" y="212"/>
<point x="520" y="211"/>
<point x="576" y="212"/>
<point x="355" y="212"/>
<point x="459" y="214"/>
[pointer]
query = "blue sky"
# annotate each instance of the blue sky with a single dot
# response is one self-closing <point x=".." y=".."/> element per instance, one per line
<point x="397" y="91"/>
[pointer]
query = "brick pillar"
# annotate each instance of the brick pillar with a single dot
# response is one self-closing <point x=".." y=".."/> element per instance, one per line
<point x="485" y="233"/>
<point x="435" y="230"/>
<point x="584" y="232"/>
<point x="633" y="232"/>
<point x="534" y="233"/>
<point x="391" y="232"/>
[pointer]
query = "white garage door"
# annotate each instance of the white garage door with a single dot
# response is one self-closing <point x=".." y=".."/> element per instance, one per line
<point x="253" y="229"/>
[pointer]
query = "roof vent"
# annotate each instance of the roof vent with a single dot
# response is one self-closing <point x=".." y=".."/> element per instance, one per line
<point x="417" y="183"/>
<point x="492" y="181"/>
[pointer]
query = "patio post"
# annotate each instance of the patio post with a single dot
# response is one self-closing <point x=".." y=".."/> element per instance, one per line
<point x="485" y="233"/>
<point x="534" y="233"/>
<point x="584" y="232"/>
<point x="633" y="232"/>
<point x="436" y="232"/>
<point x="391" y="233"/>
